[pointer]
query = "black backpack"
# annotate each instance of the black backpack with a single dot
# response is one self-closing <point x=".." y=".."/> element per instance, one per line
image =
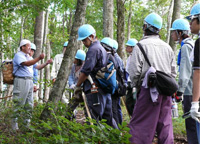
<point x="121" y="82"/>
<point x="122" y="79"/>
<point x="165" y="84"/>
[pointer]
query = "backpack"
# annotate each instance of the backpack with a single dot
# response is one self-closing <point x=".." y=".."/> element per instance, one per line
<point x="164" y="83"/>
<point x="7" y="70"/>
<point x="122" y="79"/>
<point x="106" y="76"/>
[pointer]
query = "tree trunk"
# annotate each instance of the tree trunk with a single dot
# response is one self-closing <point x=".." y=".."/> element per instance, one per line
<point x="121" y="28"/>
<point x="69" y="24"/>
<point x="47" y="72"/>
<point x="38" y="41"/>
<point x="176" y="15"/>
<point x="63" y="24"/>
<point x="129" y="20"/>
<point x="169" y="23"/>
<point x="59" y="85"/>
<point x="108" y="18"/>
<point x="1" y="75"/>
<point x="47" y="50"/>
<point x="38" y="33"/>
<point x="21" y="30"/>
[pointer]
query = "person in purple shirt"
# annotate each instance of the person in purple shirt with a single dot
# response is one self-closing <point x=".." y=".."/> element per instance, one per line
<point x="100" y="103"/>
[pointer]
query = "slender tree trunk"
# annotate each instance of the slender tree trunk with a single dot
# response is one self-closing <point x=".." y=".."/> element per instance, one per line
<point x="1" y="60"/>
<point x="69" y="24"/>
<point x="38" y="33"/>
<point x="47" y="68"/>
<point x="108" y="18"/>
<point x="63" y="24"/>
<point x="121" y="28"/>
<point x="47" y="72"/>
<point x="176" y="15"/>
<point x="129" y="20"/>
<point x="59" y="85"/>
<point x="1" y="76"/>
<point x="22" y="28"/>
<point x="169" y="22"/>
<point x="38" y="41"/>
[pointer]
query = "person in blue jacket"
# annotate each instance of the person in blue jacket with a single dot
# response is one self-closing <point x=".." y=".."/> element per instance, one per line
<point x="180" y="33"/>
<point x="76" y="68"/>
<point x="73" y="79"/>
<point x="99" y="102"/>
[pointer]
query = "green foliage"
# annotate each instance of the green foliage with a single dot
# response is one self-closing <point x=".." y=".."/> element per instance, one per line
<point x="179" y="123"/>
<point x="60" y="130"/>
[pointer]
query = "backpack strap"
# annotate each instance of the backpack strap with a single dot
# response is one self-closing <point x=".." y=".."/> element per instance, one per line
<point x="189" y="44"/>
<point x="111" y="58"/>
<point x="144" y="54"/>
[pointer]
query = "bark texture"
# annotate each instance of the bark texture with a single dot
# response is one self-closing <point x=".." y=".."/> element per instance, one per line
<point x="108" y="18"/>
<point x="121" y="28"/>
<point x="176" y="15"/>
<point x="59" y="85"/>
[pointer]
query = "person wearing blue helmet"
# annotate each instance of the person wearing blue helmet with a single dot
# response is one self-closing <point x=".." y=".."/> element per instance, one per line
<point x="37" y="67"/>
<point x="180" y="33"/>
<point x="130" y="100"/>
<point x="99" y="102"/>
<point x="76" y="67"/>
<point x="195" y="29"/>
<point x="73" y="78"/>
<point x="111" y="46"/>
<point x="56" y="66"/>
<point x="152" y="111"/>
<point x="117" y="112"/>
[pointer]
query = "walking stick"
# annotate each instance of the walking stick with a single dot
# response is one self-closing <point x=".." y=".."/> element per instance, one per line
<point x="125" y="107"/>
<point x="86" y="106"/>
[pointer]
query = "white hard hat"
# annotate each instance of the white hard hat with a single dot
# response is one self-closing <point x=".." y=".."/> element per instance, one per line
<point x="24" y="42"/>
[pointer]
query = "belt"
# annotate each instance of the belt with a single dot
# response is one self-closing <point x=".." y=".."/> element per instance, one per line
<point x="24" y="77"/>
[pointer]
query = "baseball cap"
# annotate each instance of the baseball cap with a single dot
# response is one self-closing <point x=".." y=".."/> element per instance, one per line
<point x="24" y="42"/>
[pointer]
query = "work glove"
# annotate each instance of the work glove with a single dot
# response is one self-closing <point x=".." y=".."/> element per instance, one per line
<point x="194" y="111"/>
<point x="78" y="93"/>
<point x="72" y="86"/>
<point x="178" y="96"/>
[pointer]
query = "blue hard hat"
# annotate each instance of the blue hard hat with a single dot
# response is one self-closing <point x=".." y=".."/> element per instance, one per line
<point x="180" y="24"/>
<point x="33" y="47"/>
<point x="65" y="44"/>
<point x="115" y="44"/>
<point x="131" y="42"/>
<point x="108" y="41"/>
<point x="194" y="11"/>
<point x="80" y="54"/>
<point x="85" y="31"/>
<point x="154" y="20"/>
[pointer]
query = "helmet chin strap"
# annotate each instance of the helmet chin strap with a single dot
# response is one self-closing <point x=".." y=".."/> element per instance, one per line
<point x="92" y="40"/>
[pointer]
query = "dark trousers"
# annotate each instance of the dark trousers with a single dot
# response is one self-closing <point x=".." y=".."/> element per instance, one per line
<point x="104" y="109"/>
<point x="116" y="108"/>
<point x="130" y="101"/>
<point x="190" y="123"/>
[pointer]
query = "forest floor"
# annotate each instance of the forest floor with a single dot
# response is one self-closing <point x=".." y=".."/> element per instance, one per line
<point x="80" y="118"/>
